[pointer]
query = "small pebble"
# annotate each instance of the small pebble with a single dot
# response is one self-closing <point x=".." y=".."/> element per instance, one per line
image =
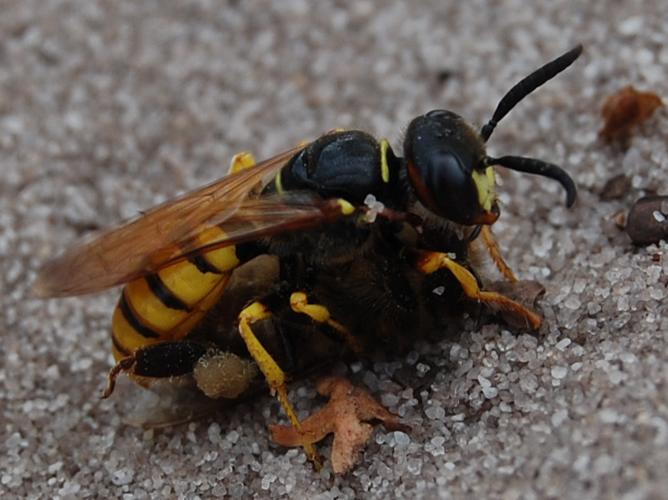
<point x="646" y="223"/>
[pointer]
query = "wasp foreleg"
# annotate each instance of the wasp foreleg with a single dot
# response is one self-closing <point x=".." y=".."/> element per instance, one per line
<point x="495" y="254"/>
<point x="429" y="262"/>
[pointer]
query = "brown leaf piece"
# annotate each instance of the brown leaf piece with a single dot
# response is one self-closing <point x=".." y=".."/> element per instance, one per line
<point x="346" y="415"/>
<point x="625" y="109"/>
<point x="526" y="292"/>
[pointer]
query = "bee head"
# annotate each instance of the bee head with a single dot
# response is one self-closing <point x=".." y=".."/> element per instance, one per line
<point x="448" y="168"/>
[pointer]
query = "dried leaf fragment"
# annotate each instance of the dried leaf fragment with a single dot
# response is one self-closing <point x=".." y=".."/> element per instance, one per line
<point x="625" y="109"/>
<point x="346" y="415"/>
<point x="526" y="292"/>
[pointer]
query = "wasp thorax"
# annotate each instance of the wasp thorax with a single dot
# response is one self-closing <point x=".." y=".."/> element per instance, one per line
<point x="447" y="168"/>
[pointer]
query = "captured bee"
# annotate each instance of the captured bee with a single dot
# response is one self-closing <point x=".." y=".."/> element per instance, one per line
<point x="359" y="236"/>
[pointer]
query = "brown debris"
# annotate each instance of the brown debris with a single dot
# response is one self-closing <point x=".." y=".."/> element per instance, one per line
<point x="526" y="292"/>
<point x="617" y="187"/>
<point x="619" y="218"/>
<point x="346" y="415"/>
<point x="624" y="110"/>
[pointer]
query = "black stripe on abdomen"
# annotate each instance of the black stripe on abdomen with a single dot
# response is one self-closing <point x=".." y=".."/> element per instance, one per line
<point x="203" y="265"/>
<point x="134" y="321"/>
<point x="117" y="344"/>
<point x="164" y="294"/>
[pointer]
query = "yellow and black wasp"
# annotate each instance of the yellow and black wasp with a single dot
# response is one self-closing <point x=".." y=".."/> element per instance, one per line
<point x="361" y="235"/>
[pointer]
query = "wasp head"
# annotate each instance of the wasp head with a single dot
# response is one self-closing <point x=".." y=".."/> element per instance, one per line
<point x="446" y="161"/>
<point x="448" y="169"/>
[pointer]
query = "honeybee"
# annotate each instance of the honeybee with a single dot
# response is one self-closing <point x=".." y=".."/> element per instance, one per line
<point x="360" y="238"/>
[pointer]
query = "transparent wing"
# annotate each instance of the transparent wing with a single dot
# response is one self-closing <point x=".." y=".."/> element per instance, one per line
<point x="174" y="231"/>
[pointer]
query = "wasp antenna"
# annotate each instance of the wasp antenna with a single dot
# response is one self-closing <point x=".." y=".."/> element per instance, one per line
<point x="539" y="167"/>
<point x="528" y="85"/>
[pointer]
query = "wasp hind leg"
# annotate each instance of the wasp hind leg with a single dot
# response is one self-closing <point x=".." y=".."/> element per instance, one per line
<point x="274" y="375"/>
<point x="429" y="262"/>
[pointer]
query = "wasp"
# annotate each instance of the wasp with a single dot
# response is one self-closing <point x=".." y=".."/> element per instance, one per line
<point x="361" y="238"/>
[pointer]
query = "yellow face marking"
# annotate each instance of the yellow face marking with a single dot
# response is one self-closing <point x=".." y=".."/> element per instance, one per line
<point x="484" y="183"/>
<point x="241" y="161"/>
<point x="346" y="207"/>
<point x="384" y="167"/>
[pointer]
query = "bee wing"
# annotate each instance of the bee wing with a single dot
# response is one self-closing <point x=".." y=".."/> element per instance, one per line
<point x="166" y="403"/>
<point x="173" y="231"/>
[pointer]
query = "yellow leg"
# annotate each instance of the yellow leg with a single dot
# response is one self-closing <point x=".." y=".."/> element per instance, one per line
<point x="433" y="261"/>
<point x="241" y="161"/>
<point x="495" y="254"/>
<point x="272" y="372"/>
<point x="320" y="314"/>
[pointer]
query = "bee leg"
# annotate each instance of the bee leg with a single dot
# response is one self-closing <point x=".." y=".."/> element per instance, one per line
<point x="429" y="262"/>
<point x="241" y="161"/>
<point x="273" y="373"/>
<point x="320" y="314"/>
<point x="161" y="360"/>
<point x="495" y="254"/>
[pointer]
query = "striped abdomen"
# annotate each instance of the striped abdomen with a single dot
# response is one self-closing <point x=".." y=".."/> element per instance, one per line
<point x="166" y="305"/>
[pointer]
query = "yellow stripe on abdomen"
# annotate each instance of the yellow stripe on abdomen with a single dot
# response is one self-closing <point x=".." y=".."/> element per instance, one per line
<point x="168" y="304"/>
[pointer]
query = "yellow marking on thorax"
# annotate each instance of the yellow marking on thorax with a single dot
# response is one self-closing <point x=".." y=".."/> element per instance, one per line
<point x="278" y="183"/>
<point x="346" y="207"/>
<point x="384" y="167"/>
<point x="241" y="161"/>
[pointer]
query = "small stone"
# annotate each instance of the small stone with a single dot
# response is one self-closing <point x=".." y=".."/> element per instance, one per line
<point x="646" y="223"/>
<point x="490" y="392"/>
<point x="563" y="344"/>
<point x="401" y="438"/>
<point x="631" y="25"/>
<point x="559" y="372"/>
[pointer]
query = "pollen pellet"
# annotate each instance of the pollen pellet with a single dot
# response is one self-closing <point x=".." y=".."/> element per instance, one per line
<point x="224" y="375"/>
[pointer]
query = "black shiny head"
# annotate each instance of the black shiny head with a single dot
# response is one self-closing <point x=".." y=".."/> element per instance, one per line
<point x="447" y="168"/>
<point x="447" y="164"/>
